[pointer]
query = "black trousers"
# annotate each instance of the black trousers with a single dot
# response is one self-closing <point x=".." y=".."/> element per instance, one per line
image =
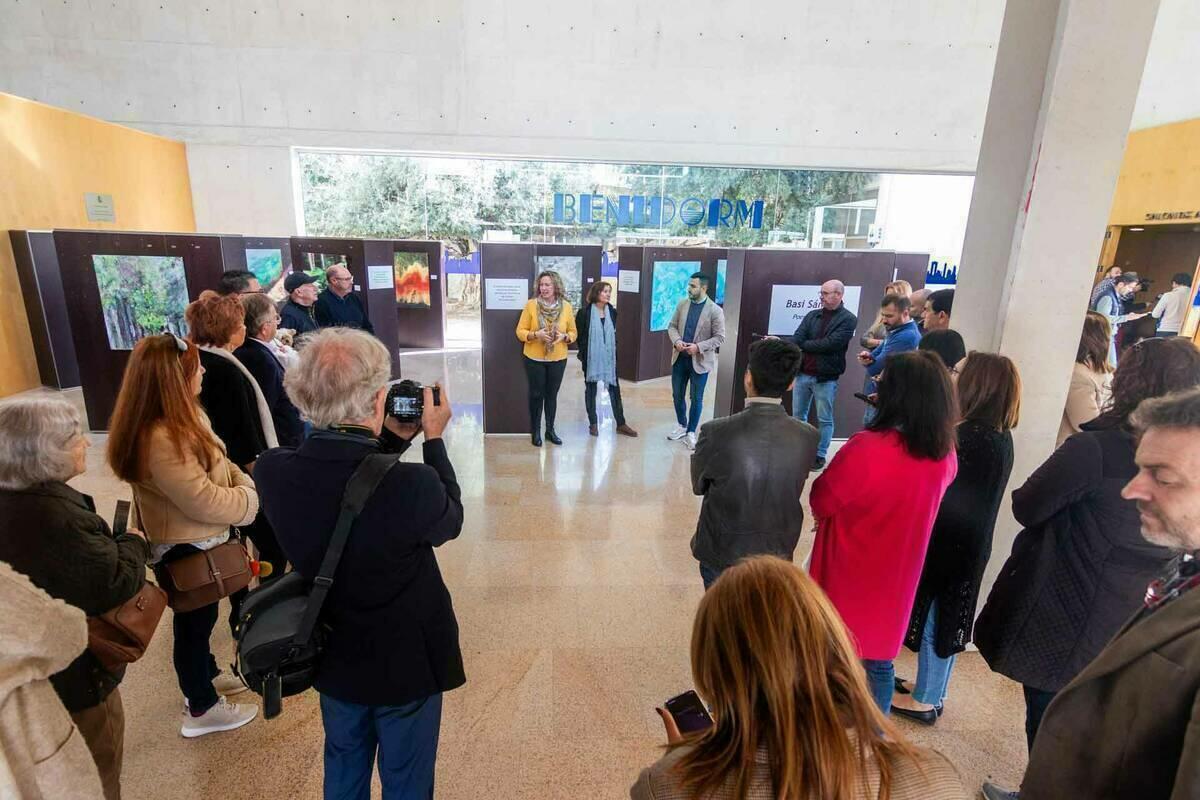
<point x="545" y="378"/>
<point x="1036" y="703"/>
<point x="614" y="399"/>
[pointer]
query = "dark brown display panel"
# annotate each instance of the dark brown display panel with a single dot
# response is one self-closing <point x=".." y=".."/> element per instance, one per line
<point x="752" y="275"/>
<point x="234" y="250"/>
<point x="101" y="368"/>
<point x="421" y="328"/>
<point x="643" y="354"/>
<point x="505" y="394"/>
<point x="46" y="308"/>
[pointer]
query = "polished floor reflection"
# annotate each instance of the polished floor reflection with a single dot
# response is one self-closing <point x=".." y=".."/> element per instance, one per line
<point x="575" y="591"/>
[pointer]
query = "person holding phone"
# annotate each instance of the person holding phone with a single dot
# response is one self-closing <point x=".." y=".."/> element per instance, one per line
<point x="54" y="536"/>
<point x="776" y="665"/>
<point x="546" y="327"/>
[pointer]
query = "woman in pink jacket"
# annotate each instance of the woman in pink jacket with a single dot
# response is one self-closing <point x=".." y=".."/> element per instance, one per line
<point x="870" y="544"/>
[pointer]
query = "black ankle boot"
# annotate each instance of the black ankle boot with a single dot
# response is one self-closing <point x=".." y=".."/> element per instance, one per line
<point x="536" y="439"/>
<point x="552" y="437"/>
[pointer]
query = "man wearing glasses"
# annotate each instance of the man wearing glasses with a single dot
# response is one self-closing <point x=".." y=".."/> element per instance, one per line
<point x="823" y="337"/>
<point x="338" y="305"/>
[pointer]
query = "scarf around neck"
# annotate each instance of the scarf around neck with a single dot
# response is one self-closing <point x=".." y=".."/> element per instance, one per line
<point x="548" y="318"/>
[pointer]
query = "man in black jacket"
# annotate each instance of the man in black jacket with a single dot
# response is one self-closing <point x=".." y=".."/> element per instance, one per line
<point x="339" y="304"/>
<point x="262" y="322"/>
<point x="393" y="643"/>
<point x="751" y="469"/>
<point x="824" y="337"/>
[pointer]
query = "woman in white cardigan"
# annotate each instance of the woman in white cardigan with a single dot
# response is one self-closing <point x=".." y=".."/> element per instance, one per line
<point x="1091" y="378"/>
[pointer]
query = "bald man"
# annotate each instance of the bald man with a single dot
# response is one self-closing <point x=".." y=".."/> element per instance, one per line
<point x="917" y="310"/>
<point x="823" y="337"/>
<point x="338" y="306"/>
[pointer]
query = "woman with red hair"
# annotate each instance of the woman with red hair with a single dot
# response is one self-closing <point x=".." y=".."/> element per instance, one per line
<point x="186" y="494"/>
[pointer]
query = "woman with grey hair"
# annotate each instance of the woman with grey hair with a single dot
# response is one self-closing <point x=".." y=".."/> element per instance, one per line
<point x="53" y="535"/>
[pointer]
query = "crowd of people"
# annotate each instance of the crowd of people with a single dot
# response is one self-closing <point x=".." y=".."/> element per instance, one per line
<point x="217" y="434"/>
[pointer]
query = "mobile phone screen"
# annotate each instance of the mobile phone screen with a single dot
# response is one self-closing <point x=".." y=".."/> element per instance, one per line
<point x="688" y="712"/>
<point x="121" y="518"/>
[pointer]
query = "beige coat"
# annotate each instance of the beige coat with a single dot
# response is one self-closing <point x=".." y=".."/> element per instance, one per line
<point x="933" y="779"/>
<point x="1087" y="396"/>
<point x="42" y="754"/>
<point x="180" y="502"/>
<point x="710" y="333"/>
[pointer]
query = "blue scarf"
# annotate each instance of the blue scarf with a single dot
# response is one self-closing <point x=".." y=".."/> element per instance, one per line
<point x="602" y="349"/>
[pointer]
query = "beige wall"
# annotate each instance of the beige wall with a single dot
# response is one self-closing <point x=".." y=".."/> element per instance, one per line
<point x="48" y="159"/>
<point x="1160" y="173"/>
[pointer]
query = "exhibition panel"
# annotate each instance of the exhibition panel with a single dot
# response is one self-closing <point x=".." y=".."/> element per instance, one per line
<point x="45" y="307"/>
<point x="269" y="258"/>
<point x="770" y="291"/>
<point x="651" y="282"/>
<point x="119" y="287"/>
<point x="418" y="268"/>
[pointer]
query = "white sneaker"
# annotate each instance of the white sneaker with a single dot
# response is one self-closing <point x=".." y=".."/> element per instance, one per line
<point x="691" y="441"/>
<point x="677" y="434"/>
<point x="224" y="716"/>
<point x="228" y="684"/>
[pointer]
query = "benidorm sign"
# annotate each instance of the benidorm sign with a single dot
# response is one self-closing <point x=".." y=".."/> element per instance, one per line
<point x="637" y="211"/>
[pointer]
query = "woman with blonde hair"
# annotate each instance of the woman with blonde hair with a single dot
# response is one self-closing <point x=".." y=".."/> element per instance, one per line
<point x="547" y="327"/>
<point x="792" y="714"/>
<point x="186" y="494"/>
<point x="1091" y="377"/>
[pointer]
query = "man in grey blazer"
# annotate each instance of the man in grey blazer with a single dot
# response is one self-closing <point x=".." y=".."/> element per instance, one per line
<point x="697" y="329"/>
<point x="1128" y="725"/>
<point x="751" y="468"/>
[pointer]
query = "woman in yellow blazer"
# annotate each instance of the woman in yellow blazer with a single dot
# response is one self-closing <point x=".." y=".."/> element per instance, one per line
<point x="547" y="326"/>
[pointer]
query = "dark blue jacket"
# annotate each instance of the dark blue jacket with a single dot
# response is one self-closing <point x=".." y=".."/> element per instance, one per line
<point x="900" y="339"/>
<point x="830" y="348"/>
<point x="393" y="637"/>
<point x="299" y="318"/>
<point x="268" y="372"/>
<point x="332" y="311"/>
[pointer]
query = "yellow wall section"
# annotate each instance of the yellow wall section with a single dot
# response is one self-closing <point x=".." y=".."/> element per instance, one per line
<point x="1160" y="173"/>
<point x="48" y="159"/>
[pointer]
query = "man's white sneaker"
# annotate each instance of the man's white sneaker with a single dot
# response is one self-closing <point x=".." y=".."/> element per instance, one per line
<point x="691" y="441"/>
<point x="677" y="434"/>
<point x="228" y="684"/>
<point x="224" y="716"/>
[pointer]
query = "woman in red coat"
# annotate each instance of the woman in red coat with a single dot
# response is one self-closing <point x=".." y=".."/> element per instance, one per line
<point x="875" y="505"/>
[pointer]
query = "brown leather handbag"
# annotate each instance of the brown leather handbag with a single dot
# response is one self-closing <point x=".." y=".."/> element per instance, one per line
<point x="122" y="634"/>
<point x="204" y="577"/>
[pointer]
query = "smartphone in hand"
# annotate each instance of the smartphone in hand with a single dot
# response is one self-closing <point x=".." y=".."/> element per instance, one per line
<point x="689" y="713"/>
<point x="121" y="518"/>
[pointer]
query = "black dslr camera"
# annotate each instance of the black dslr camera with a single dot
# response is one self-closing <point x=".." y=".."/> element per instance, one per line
<point x="406" y="400"/>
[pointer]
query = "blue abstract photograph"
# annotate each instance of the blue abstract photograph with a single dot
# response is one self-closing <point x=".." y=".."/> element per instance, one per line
<point x="667" y="287"/>
<point x="722" y="268"/>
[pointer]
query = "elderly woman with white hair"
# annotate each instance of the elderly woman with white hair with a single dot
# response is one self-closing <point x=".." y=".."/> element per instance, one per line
<point x="52" y="534"/>
<point x="393" y="642"/>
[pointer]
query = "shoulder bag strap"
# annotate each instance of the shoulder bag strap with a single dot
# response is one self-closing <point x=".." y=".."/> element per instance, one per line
<point x="362" y="485"/>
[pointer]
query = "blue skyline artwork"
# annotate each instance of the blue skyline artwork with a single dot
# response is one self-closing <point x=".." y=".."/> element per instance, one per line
<point x="668" y="285"/>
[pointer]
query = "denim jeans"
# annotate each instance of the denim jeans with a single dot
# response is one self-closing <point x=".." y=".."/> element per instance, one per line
<point x="933" y="671"/>
<point x="1036" y="702"/>
<point x="681" y="374"/>
<point x="808" y="387"/>
<point x="405" y="737"/>
<point x="709" y="574"/>
<point x="881" y="680"/>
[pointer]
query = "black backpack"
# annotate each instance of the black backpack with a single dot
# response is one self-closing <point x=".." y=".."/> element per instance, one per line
<point x="279" y="642"/>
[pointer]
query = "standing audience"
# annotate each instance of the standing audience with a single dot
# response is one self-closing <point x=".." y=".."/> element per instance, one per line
<point x="937" y="311"/>
<point x="792" y="716"/>
<point x="42" y="755"/>
<point x="53" y="535"/>
<point x="596" y="325"/>
<point x="393" y="637"/>
<point x="1109" y="300"/>
<point x="696" y="330"/>
<point x="1128" y="726"/>
<point x="263" y="363"/>
<point x="989" y="397"/>
<point x="546" y="327"/>
<point x="339" y="305"/>
<point x="1080" y="566"/>
<point x="823" y="338"/>
<point x="948" y="345"/>
<point x="751" y="468"/>
<point x="1091" y="377"/>
<point x="869" y="548"/>
<point x="902" y="336"/>
<point x="238" y="281"/>
<point x="1171" y="309"/>
<point x="919" y="300"/>
<point x="186" y="495"/>
<point x="874" y="336"/>
<point x="297" y="313"/>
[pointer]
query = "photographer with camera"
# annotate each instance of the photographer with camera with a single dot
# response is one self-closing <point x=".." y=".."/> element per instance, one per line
<point x="392" y="647"/>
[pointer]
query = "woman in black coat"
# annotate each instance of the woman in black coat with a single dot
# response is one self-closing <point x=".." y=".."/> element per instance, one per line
<point x="989" y="392"/>
<point x="52" y="534"/>
<point x="598" y="354"/>
<point x="1080" y="567"/>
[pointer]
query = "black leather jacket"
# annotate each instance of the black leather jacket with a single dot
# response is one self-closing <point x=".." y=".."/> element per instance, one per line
<point x="830" y="348"/>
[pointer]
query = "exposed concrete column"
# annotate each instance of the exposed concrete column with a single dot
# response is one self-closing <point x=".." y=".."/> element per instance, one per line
<point x="1066" y="77"/>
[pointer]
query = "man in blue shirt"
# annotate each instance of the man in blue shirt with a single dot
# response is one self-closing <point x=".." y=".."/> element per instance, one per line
<point x="338" y="305"/>
<point x="902" y="336"/>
